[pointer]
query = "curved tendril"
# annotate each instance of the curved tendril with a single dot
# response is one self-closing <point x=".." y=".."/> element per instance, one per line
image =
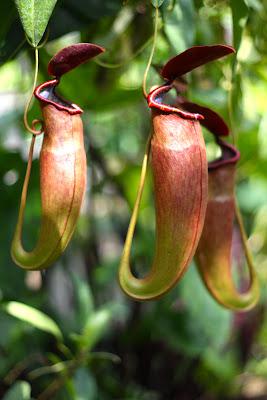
<point x="125" y="62"/>
<point x="25" y="189"/>
<point x="129" y="237"/>
<point x="43" y="42"/>
<point x="252" y="272"/>
<point x="254" y="284"/>
<point x="152" y="52"/>
<point x="45" y="39"/>
<point x="29" y="128"/>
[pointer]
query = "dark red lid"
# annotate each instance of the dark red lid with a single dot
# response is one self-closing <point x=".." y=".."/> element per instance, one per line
<point x="193" y="58"/>
<point x="72" y="56"/>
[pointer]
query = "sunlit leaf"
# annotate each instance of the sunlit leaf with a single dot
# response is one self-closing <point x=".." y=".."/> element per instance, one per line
<point x="33" y="316"/>
<point x="179" y="25"/>
<point x="21" y="390"/>
<point x="51" y="369"/>
<point x="237" y="97"/>
<point x="34" y="16"/>
<point x="97" y="325"/>
<point x="157" y="3"/>
<point x="239" y="16"/>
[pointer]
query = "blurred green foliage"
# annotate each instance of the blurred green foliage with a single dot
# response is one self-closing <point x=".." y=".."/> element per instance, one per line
<point x="70" y="333"/>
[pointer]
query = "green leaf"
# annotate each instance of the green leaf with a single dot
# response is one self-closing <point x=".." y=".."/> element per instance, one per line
<point x="20" y="390"/>
<point x="99" y="322"/>
<point x="179" y="25"/>
<point x="85" y="385"/>
<point x="57" y="368"/>
<point x="239" y="16"/>
<point x="34" y="16"/>
<point x="97" y="325"/>
<point x="157" y="3"/>
<point x="33" y="316"/>
<point x="84" y="303"/>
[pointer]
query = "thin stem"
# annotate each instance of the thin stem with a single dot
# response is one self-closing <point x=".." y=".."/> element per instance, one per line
<point x="230" y="104"/>
<point x="121" y="64"/>
<point x="52" y="389"/>
<point x="25" y="117"/>
<point x="152" y="51"/>
<point x="131" y="228"/>
<point x="238" y="215"/>
<point x="25" y="189"/>
<point x="244" y="239"/>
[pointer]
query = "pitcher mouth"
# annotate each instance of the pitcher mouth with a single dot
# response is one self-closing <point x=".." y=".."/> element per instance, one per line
<point x="155" y="100"/>
<point x="230" y="155"/>
<point x="46" y="93"/>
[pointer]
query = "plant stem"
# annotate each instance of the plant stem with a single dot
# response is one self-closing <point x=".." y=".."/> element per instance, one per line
<point x="25" y="189"/>
<point x="244" y="239"/>
<point x="25" y="116"/>
<point x="152" y="52"/>
<point x="230" y="104"/>
<point x="131" y="228"/>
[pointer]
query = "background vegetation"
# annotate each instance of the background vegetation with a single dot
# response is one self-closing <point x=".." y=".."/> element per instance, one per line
<point x="88" y="341"/>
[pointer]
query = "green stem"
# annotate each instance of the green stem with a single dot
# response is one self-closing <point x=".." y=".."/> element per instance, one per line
<point x="25" y="116"/>
<point x="239" y="219"/>
<point x="230" y="102"/>
<point x="131" y="228"/>
<point x="244" y="239"/>
<point x="152" y="52"/>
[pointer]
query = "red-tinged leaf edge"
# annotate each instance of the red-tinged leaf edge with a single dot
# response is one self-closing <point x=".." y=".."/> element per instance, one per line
<point x="212" y="121"/>
<point x="230" y="155"/>
<point x="193" y="58"/>
<point x="155" y="100"/>
<point x="71" y="56"/>
<point x="46" y="94"/>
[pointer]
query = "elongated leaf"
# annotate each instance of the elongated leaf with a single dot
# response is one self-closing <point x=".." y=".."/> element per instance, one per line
<point x="98" y="324"/>
<point x="84" y="302"/>
<point x="33" y="316"/>
<point x="179" y="24"/>
<point x="20" y="390"/>
<point x="34" y="16"/>
<point x="157" y="3"/>
<point x="51" y="369"/>
<point x="239" y="16"/>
